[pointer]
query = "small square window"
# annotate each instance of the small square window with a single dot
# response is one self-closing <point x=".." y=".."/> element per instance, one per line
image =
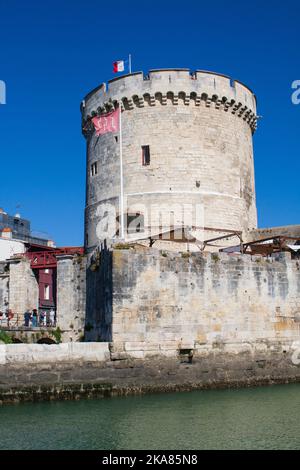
<point x="145" y="155"/>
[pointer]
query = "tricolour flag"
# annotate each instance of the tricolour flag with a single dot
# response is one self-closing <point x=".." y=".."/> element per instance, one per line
<point x="119" y="66"/>
<point x="108" y="122"/>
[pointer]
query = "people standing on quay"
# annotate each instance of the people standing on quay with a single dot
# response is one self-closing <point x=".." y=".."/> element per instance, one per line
<point x="43" y="318"/>
<point x="10" y="316"/>
<point x="3" y="319"/>
<point x="27" y="317"/>
<point x="52" y="317"/>
<point x="34" y="318"/>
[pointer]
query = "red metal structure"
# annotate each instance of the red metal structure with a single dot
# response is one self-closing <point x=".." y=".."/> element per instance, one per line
<point x="43" y="262"/>
<point x="47" y="258"/>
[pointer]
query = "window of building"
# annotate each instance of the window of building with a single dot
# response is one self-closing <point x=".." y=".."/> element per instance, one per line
<point x="47" y="292"/>
<point x="94" y="168"/>
<point x="146" y="155"/>
<point x="134" y="223"/>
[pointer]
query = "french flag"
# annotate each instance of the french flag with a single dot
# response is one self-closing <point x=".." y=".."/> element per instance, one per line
<point x="119" y="66"/>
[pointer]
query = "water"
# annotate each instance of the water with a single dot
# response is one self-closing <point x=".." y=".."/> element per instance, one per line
<point x="260" y="418"/>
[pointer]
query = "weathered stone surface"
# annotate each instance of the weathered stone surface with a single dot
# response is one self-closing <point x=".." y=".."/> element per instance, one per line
<point x="23" y="287"/>
<point x="55" y="353"/>
<point x="199" y="129"/>
<point x="204" y="302"/>
<point x="71" y="378"/>
<point x="71" y="296"/>
<point x="4" y="287"/>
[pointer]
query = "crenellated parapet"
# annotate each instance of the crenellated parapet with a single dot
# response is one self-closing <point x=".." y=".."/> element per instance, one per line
<point x="172" y="87"/>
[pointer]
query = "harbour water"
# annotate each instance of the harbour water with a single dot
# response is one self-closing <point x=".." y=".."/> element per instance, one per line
<point x="256" y="418"/>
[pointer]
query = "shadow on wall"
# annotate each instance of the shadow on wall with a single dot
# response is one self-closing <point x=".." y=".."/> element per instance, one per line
<point x="46" y="341"/>
<point x="98" y="325"/>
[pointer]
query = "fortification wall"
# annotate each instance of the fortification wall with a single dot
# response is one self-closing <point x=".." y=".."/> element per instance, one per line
<point x="285" y="231"/>
<point x="199" y="128"/>
<point x="23" y="287"/>
<point x="71" y="296"/>
<point x="199" y="301"/>
<point x="84" y="370"/>
<point x="4" y="288"/>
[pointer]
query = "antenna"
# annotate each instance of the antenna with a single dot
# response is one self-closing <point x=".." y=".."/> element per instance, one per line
<point x="18" y="207"/>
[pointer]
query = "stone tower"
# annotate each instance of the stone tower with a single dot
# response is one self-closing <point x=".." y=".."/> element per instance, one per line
<point x="186" y="141"/>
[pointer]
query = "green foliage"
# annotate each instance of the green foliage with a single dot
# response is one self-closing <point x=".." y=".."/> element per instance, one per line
<point x="215" y="257"/>
<point x="5" y="338"/>
<point x="57" y="334"/>
<point x="122" y="246"/>
<point x="185" y="255"/>
<point x="164" y="254"/>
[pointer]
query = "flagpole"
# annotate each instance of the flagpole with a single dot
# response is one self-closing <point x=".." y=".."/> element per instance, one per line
<point x="121" y="177"/>
<point x="129" y="61"/>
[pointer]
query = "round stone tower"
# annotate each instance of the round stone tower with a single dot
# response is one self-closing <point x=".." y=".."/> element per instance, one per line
<point x="186" y="146"/>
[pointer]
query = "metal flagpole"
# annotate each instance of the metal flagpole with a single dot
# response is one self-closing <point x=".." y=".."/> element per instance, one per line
<point x="129" y="63"/>
<point x="121" y="177"/>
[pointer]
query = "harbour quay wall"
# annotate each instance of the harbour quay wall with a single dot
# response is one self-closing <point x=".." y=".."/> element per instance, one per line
<point x="36" y="372"/>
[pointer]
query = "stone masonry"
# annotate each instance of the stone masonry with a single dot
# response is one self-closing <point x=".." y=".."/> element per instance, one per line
<point x="199" y="128"/>
<point x="4" y="288"/>
<point x="19" y="292"/>
<point x="71" y="296"/>
<point x="161" y="300"/>
<point x="23" y="286"/>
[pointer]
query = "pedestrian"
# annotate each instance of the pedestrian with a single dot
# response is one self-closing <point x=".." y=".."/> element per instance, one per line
<point x="45" y="318"/>
<point x="27" y="316"/>
<point x="34" y="318"/>
<point x="10" y="316"/>
<point x="52" y="317"/>
<point x="4" y="319"/>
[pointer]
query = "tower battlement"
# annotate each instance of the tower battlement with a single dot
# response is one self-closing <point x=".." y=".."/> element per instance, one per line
<point x="172" y="87"/>
<point x="186" y="140"/>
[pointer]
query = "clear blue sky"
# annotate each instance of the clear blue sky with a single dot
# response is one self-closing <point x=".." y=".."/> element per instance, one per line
<point x="54" y="52"/>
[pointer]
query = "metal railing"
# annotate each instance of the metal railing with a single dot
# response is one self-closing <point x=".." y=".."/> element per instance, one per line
<point x="17" y="321"/>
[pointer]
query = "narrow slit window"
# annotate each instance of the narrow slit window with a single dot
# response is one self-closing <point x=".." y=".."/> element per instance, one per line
<point x="94" y="169"/>
<point x="146" y="155"/>
<point x="47" y="292"/>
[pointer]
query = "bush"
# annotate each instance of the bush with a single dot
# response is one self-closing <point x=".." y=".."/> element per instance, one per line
<point x="57" y="334"/>
<point x="5" y="338"/>
<point x="122" y="246"/>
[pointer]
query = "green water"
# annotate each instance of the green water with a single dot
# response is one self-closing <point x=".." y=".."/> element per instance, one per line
<point x="261" y="418"/>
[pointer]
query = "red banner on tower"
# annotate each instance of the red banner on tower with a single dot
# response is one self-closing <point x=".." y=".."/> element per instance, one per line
<point x="108" y="122"/>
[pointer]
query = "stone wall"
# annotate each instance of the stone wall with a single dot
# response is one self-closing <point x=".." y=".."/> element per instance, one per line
<point x="285" y="231"/>
<point x="200" y="301"/>
<point x="98" y="324"/>
<point x="23" y="287"/>
<point x="71" y="296"/>
<point x="83" y="370"/>
<point x="4" y="287"/>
